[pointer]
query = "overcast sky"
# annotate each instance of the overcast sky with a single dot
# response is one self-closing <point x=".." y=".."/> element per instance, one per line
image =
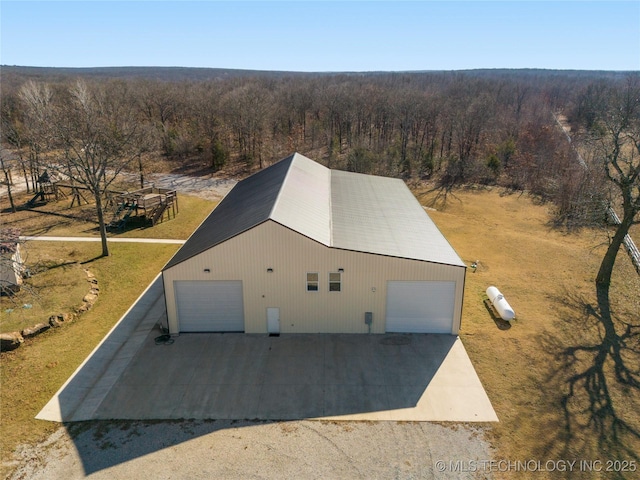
<point x="323" y="36"/>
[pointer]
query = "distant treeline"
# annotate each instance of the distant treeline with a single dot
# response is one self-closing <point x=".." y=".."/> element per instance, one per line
<point x="478" y="126"/>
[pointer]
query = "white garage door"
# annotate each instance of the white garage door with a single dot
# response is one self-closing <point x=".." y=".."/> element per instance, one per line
<point x="420" y="307"/>
<point x="214" y="306"/>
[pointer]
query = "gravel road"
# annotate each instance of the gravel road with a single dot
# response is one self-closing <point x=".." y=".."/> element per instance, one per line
<point x="208" y="186"/>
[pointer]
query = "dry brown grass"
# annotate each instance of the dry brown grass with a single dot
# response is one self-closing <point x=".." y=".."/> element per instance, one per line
<point x="548" y="278"/>
<point x="59" y="218"/>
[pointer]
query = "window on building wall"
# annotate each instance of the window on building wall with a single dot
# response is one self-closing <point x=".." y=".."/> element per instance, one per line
<point x="313" y="281"/>
<point x="335" y="282"/>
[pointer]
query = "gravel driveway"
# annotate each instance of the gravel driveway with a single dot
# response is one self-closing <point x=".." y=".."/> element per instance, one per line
<point x="263" y="450"/>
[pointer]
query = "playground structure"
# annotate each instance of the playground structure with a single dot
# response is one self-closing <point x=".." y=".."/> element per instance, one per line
<point x="150" y="204"/>
<point x="47" y="190"/>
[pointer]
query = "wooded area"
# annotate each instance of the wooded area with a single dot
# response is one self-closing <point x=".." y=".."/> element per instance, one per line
<point x="483" y="127"/>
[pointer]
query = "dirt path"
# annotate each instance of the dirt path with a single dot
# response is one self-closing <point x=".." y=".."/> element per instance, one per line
<point x="239" y="450"/>
<point x="208" y="186"/>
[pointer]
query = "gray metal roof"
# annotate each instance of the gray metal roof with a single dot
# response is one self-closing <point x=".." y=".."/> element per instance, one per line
<point x="338" y="209"/>
<point x="248" y="204"/>
<point x="381" y="215"/>
<point x="304" y="201"/>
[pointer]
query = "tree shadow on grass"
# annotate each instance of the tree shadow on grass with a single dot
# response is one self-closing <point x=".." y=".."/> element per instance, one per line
<point x="81" y="218"/>
<point x="443" y="191"/>
<point x="91" y="260"/>
<point x="597" y="372"/>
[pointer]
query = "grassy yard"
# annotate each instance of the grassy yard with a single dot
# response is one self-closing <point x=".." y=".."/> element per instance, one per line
<point x="59" y="281"/>
<point x="57" y="285"/>
<point x="548" y="278"/>
<point x="30" y="375"/>
<point x="61" y="219"/>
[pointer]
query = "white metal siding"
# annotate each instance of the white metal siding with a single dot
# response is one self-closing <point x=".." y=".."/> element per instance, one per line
<point x="209" y="306"/>
<point x="420" y="307"/>
<point x="364" y="282"/>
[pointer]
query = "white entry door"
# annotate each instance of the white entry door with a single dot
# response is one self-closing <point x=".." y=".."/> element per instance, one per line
<point x="209" y="306"/>
<point x="273" y="320"/>
<point x="420" y="307"/>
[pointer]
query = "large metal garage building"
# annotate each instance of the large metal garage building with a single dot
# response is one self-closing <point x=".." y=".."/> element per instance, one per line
<point x="300" y="248"/>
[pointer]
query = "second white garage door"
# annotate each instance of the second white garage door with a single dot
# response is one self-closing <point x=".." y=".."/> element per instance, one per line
<point x="420" y="307"/>
<point x="212" y="306"/>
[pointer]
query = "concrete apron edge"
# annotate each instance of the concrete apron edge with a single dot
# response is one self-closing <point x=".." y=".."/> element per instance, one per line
<point x="52" y="410"/>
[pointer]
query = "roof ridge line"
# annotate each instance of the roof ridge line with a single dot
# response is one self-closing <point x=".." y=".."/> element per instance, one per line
<point x="330" y="207"/>
<point x="286" y="177"/>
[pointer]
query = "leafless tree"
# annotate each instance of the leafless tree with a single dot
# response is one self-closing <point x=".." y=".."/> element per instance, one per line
<point x="614" y="132"/>
<point x="37" y="99"/>
<point x="97" y="128"/>
<point x="425" y="124"/>
<point x="159" y="103"/>
<point x="616" y="137"/>
<point x="248" y="108"/>
<point x="5" y="165"/>
<point x="210" y="125"/>
<point x="12" y="133"/>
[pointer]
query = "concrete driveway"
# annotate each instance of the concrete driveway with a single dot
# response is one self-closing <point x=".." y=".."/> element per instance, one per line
<point x="236" y="376"/>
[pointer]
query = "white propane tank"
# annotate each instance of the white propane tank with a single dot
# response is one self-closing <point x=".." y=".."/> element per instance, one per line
<point x="500" y="304"/>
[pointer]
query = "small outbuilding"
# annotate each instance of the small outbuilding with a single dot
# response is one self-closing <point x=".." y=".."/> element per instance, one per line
<point x="11" y="264"/>
<point x="300" y="248"/>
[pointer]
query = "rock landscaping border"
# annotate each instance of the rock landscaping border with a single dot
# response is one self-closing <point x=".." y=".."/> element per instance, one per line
<point x="12" y="340"/>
